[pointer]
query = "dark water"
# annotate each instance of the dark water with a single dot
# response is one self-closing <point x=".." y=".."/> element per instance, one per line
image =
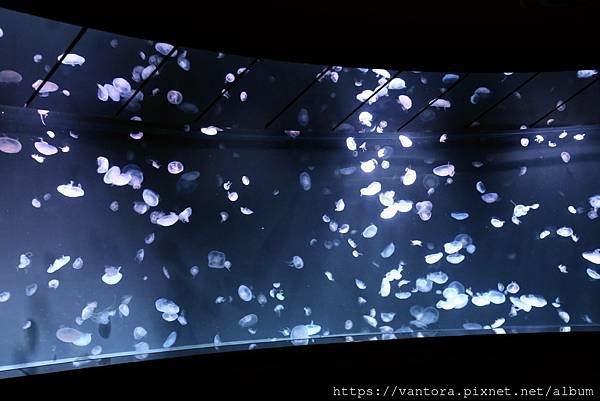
<point x="259" y="246"/>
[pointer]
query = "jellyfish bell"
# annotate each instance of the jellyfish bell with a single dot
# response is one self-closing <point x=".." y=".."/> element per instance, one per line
<point x="71" y="59"/>
<point x="10" y="77"/>
<point x="112" y="275"/>
<point x="10" y="145"/>
<point x="45" y="148"/>
<point x="167" y="220"/>
<point x="70" y="190"/>
<point x="47" y="88"/>
<point x="174" y="97"/>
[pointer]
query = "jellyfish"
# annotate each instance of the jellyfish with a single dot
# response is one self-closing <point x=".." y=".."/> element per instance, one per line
<point x="71" y="191"/>
<point x="303" y="117"/>
<point x="370" y="231"/>
<point x="446" y="170"/>
<point x="45" y="148"/>
<point x="441" y="103"/>
<point x="565" y="156"/>
<point x="365" y="118"/>
<point x="586" y="73"/>
<point x="248" y="320"/>
<point x="47" y="88"/>
<point x="167" y="220"/>
<point x="497" y="223"/>
<point x="405" y="141"/>
<point x="112" y="275"/>
<point x="31" y="289"/>
<point x="72" y="59"/>
<point x="409" y="177"/>
<point x="372" y="189"/>
<point x="174" y="97"/>
<point x="437" y="277"/>
<point x="170" y="340"/>
<point x="185" y="215"/>
<point x="183" y="63"/>
<point x="121" y="86"/>
<point x="455" y="258"/>
<point x="490" y="197"/>
<point x="388" y="250"/>
<point x="58" y="263"/>
<point x="433" y="258"/>
<point x="449" y="79"/>
<point x="592" y="256"/>
<point x="245" y="293"/>
<point x="299" y="335"/>
<point x="405" y="102"/>
<point x="10" y="145"/>
<point x="564" y="231"/>
<point x="4" y="296"/>
<point x="175" y="167"/>
<point x="69" y="335"/>
<point x="216" y="260"/>
<point x="512" y="288"/>
<point x="459" y="215"/>
<point x="305" y="181"/>
<point x="150" y="197"/>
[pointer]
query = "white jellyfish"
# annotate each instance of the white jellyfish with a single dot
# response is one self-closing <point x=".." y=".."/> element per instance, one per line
<point x="112" y="275"/>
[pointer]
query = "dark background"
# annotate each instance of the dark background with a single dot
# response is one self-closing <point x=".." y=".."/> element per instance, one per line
<point x="499" y="35"/>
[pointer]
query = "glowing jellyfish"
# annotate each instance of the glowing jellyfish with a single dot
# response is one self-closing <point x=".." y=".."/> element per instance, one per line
<point x="114" y="206"/>
<point x="490" y="197"/>
<point x="459" y="215"/>
<point x="299" y="335"/>
<point x="78" y="264"/>
<point x="409" y="177"/>
<point x="167" y="220"/>
<point x="45" y="148"/>
<point x="102" y="165"/>
<point x="480" y="186"/>
<point x="368" y="166"/>
<point x="433" y="258"/>
<point x="565" y="156"/>
<point x="405" y="102"/>
<point x="70" y="190"/>
<point x="564" y="231"/>
<point x="303" y="117"/>
<point x="370" y="231"/>
<point x="593" y="274"/>
<point x="592" y="256"/>
<point x="73" y="336"/>
<point x="441" y="104"/>
<point x="216" y="260"/>
<point x="175" y="167"/>
<point x="296" y="262"/>
<point x="497" y="223"/>
<point x="210" y="131"/>
<point x="388" y="250"/>
<point x="31" y="289"/>
<point x="4" y="296"/>
<point x="174" y="97"/>
<point x="72" y="59"/>
<point x="405" y="141"/>
<point x="372" y="189"/>
<point x="185" y="215"/>
<point x="47" y="88"/>
<point x="339" y="205"/>
<point x="139" y="333"/>
<point x="455" y="258"/>
<point x="305" y="181"/>
<point x="9" y="145"/>
<point x="437" y="277"/>
<point x="365" y="118"/>
<point x="58" y="263"/>
<point x="248" y="320"/>
<point x="449" y="79"/>
<point x="112" y="275"/>
<point x="150" y="197"/>
<point x="512" y="288"/>
<point x="351" y="143"/>
<point x="232" y="196"/>
<point x="586" y="73"/>
<point x="10" y="77"/>
<point x="245" y="293"/>
<point x="170" y="340"/>
<point x="246" y="211"/>
<point x="446" y="170"/>
<point x="24" y="260"/>
<point x="224" y="216"/>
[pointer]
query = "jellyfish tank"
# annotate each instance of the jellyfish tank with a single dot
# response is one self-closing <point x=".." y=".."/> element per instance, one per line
<point x="160" y="201"/>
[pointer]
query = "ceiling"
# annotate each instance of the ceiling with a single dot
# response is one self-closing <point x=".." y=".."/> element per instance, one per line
<point x="246" y="92"/>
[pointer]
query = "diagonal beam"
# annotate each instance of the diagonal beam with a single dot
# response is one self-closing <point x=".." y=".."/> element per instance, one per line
<point x="365" y="101"/>
<point x="433" y="101"/>
<point x="227" y="89"/>
<point x="299" y="95"/>
<point x="492" y="107"/>
<point x="145" y="82"/>
<point x="56" y="65"/>
<point x="565" y="102"/>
